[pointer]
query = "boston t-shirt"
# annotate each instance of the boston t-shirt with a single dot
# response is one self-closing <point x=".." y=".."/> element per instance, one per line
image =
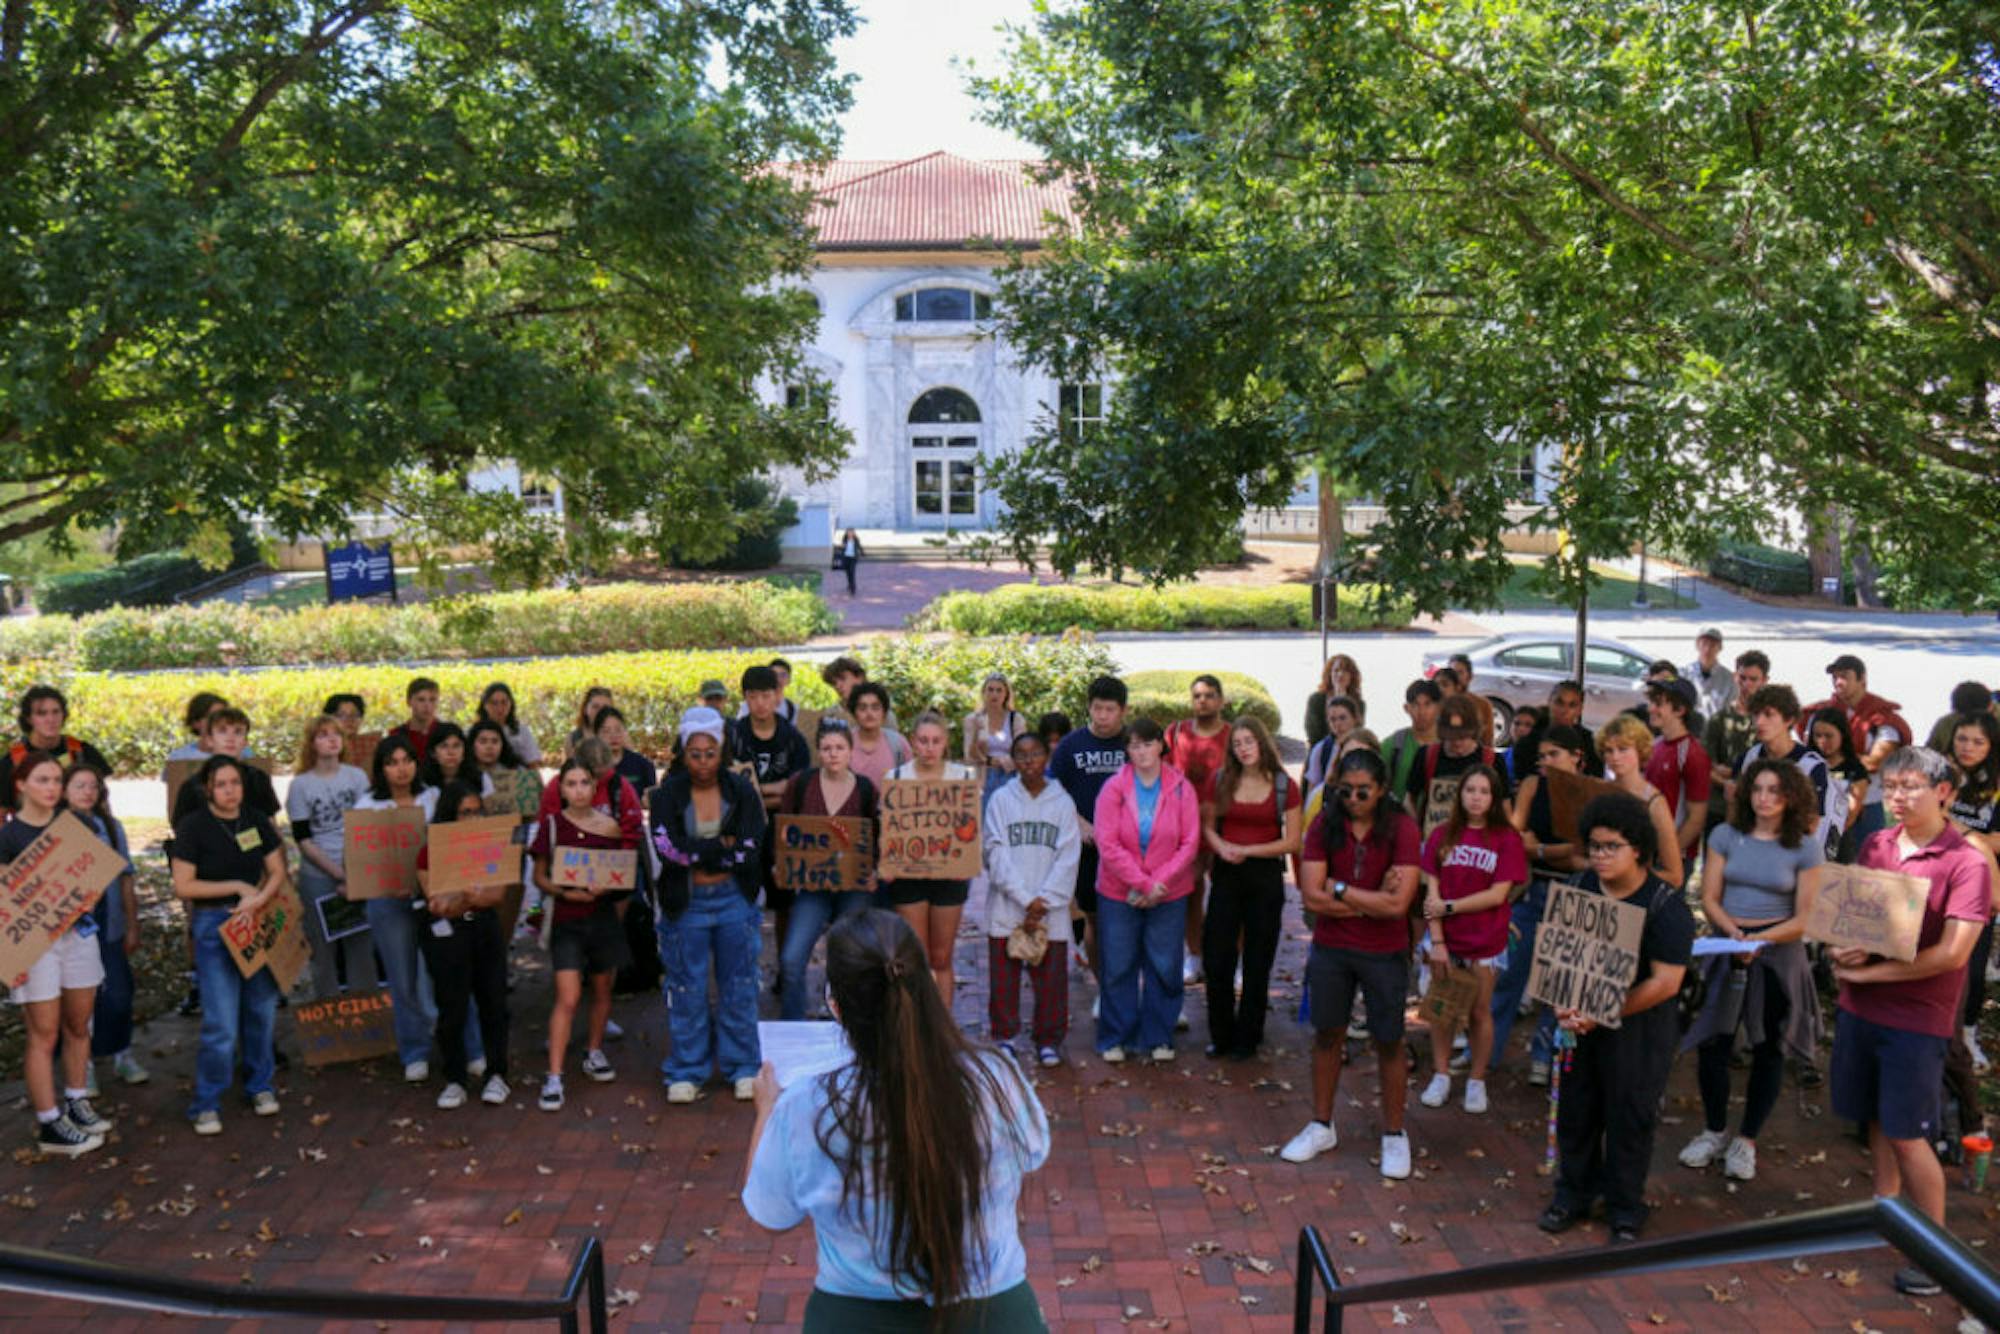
<point x="1481" y="859"/>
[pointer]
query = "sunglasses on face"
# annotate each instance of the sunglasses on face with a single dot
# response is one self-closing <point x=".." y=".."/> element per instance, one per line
<point x="1349" y="793"/>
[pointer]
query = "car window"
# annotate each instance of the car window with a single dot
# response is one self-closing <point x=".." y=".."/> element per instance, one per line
<point x="1601" y="661"/>
<point x="1534" y="657"/>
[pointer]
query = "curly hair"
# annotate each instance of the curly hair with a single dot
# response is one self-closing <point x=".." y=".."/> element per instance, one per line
<point x="1801" y="815"/>
<point x="1625" y="730"/>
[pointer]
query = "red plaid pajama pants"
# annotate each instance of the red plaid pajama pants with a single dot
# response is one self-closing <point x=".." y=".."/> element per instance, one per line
<point x="1049" y="978"/>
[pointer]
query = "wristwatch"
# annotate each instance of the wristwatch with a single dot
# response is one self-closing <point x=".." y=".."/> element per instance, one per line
<point x="1339" y="890"/>
<point x="1449" y="907"/>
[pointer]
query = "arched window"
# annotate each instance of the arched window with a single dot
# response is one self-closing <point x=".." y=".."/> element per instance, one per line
<point x="944" y="405"/>
<point x="943" y="303"/>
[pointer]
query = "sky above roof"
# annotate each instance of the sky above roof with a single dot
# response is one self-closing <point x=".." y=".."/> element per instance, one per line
<point x="914" y="58"/>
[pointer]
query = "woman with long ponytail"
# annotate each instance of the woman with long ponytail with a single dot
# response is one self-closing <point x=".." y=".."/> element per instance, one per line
<point x="908" y="1157"/>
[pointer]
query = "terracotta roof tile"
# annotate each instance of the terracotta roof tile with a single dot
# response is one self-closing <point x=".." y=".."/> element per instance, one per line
<point x="933" y="202"/>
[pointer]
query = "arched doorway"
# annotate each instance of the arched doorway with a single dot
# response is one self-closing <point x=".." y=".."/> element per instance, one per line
<point x="944" y="438"/>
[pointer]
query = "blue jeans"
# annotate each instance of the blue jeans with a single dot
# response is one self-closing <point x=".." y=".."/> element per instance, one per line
<point x="1525" y="921"/>
<point x="723" y="929"/>
<point x="394" y="924"/>
<point x="234" y="1010"/>
<point x="811" y="915"/>
<point x="1136" y="941"/>
<point x="111" y="1025"/>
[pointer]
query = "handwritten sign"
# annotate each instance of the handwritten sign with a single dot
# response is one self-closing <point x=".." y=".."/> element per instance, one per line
<point x="807" y="722"/>
<point x="350" y="1028"/>
<point x="180" y="771"/>
<point x="505" y="798"/>
<point x="596" y="868"/>
<point x="1587" y="953"/>
<point x="1448" y="1001"/>
<point x="822" y="852"/>
<point x="1568" y="794"/>
<point x="57" y="878"/>
<point x="1438" y="801"/>
<point x="340" y="918"/>
<point x="930" y="830"/>
<point x="1859" y="907"/>
<point x="379" y="851"/>
<point x="273" y="937"/>
<point x="359" y="750"/>
<point x="474" y="854"/>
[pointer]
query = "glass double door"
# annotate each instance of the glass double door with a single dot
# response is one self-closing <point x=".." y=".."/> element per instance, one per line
<point x="944" y="476"/>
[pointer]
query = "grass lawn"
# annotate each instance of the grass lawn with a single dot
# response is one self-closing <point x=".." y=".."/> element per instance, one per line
<point x="1614" y="594"/>
<point x="306" y="593"/>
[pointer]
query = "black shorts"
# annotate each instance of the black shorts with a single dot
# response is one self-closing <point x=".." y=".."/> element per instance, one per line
<point x="1889" y="1077"/>
<point x="1334" y="975"/>
<point x="779" y="900"/>
<point x="937" y="893"/>
<point x="595" y="944"/>
<point x="1086" y="881"/>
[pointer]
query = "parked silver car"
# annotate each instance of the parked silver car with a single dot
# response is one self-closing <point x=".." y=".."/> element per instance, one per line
<point x="1512" y="670"/>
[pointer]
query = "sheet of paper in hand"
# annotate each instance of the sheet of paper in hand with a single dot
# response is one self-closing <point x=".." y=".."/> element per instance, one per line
<point x="56" y="879"/>
<point x="1448" y="1001"/>
<point x="930" y="831"/>
<point x="602" y="869"/>
<point x="379" y="851"/>
<point x="1587" y="953"/>
<point x="1568" y="794"/>
<point x="800" y="1049"/>
<point x="359" y="1027"/>
<point x="274" y="937"/>
<point x="822" y="852"/>
<point x="1862" y="908"/>
<point x="474" y="854"/>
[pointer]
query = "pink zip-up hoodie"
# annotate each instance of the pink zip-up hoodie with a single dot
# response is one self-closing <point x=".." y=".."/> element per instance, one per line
<point x="1170" y="855"/>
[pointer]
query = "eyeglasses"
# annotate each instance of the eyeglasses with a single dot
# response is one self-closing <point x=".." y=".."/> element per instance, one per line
<point x="1906" y="789"/>
<point x="1606" y="849"/>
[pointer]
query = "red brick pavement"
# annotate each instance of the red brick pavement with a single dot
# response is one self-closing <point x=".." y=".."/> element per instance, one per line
<point x="1162" y="1206"/>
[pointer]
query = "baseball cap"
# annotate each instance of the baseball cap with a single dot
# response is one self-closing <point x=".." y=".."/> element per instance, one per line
<point x="712" y="688"/>
<point x="1847" y="662"/>
<point x="1711" y="633"/>
<point x="1676" y="689"/>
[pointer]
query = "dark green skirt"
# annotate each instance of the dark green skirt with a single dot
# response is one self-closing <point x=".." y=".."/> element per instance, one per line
<point x="1002" y="1313"/>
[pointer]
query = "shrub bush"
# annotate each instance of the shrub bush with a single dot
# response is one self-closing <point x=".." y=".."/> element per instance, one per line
<point x="765" y="513"/>
<point x="603" y="619"/>
<point x="1163" y="697"/>
<point x="1051" y="609"/>
<point x="1765" y="569"/>
<point x="145" y="581"/>
<point x="923" y="674"/>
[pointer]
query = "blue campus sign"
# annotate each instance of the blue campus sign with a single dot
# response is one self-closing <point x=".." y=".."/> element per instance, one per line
<point x="359" y="571"/>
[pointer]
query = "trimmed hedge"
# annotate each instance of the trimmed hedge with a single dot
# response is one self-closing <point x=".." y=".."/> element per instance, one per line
<point x="1163" y="696"/>
<point x="1051" y="609"/>
<point x="946" y="676"/>
<point x="1765" y="569"/>
<point x="144" y="581"/>
<point x="603" y="619"/>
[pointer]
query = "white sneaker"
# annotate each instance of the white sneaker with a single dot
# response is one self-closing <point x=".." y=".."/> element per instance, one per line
<point x="1740" y="1162"/>
<point x="208" y="1123"/>
<point x="612" y="1032"/>
<point x="1309" y="1143"/>
<point x="1701" y="1150"/>
<point x="496" y="1092"/>
<point x="746" y="1090"/>
<point x="1113" y="1055"/>
<point x="682" y="1091"/>
<point x="451" y="1097"/>
<point x="597" y="1067"/>
<point x="1475" y="1096"/>
<point x="265" y="1103"/>
<point x="1190" y="971"/>
<point x="1396" y="1157"/>
<point x="1163" y="1053"/>
<point x="1437" y="1092"/>
<point x="552" y="1094"/>
<point x="476" y="1069"/>
<point x="126" y="1066"/>
<point x="416" y="1072"/>
<point x="1049" y="1057"/>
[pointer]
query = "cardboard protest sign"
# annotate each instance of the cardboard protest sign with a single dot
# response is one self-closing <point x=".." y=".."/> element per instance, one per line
<point x="505" y="798"/>
<point x="1878" y="911"/>
<point x="473" y="854"/>
<point x="930" y="830"/>
<point x="379" y="851"/>
<point x="180" y="771"/>
<point x="56" y="879"/>
<point x="1438" y="801"/>
<point x="274" y="937"/>
<point x="359" y="750"/>
<point x="1568" y="794"/>
<point x="348" y="1028"/>
<point x="1587" y="953"/>
<point x="822" y="852"/>
<point x="807" y="722"/>
<point x="596" y="868"/>
<point x="340" y="918"/>
<point x="1448" y="1001"/>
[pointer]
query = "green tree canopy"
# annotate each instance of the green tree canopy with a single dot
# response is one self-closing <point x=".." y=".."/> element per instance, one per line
<point x="1729" y="262"/>
<point x="265" y="257"/>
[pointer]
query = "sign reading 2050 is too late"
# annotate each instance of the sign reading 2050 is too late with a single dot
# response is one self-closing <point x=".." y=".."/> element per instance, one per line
<point x="930" y="831"/>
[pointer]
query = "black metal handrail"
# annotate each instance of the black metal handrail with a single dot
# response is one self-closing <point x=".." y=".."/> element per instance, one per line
<point x="68" y="1278"/>
<point x="1845" y="1227"/>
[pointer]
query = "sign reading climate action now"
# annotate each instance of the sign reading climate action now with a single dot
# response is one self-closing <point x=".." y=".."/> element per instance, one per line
<point x="930" y="831"/>
<point x="1587" y="954"/>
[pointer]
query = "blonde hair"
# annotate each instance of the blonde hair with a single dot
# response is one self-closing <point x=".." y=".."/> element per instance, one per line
<point x="1625" y="730"/>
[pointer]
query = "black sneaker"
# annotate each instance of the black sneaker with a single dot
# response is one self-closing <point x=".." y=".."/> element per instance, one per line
<point x="85" y="1118"/>
<point x="191" y="1003"/>
<point x="1914" y="1282"/>
<point x="61" y="1138"/>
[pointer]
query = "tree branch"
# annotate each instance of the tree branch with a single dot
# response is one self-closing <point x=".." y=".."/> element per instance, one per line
<point x="323" y="35"/>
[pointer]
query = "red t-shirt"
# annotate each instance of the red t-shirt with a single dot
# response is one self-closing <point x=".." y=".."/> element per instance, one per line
<point x="1680" y="770"/>
<point x="1365" y="866"/>
<point x="1198" y="757"/>
<point x="556" y="831"/>
<point x="1481" y="859"/>
<point x="1959" y="890"/>
<point x="1250" y="823"/>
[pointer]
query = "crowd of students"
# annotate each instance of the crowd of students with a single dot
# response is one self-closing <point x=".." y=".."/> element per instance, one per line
<point x="1156" y="857"/>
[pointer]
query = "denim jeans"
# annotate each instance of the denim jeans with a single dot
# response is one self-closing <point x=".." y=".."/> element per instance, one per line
<point x="1525" y="921"/>
<point x="1148" y="943"/>
<point x="811" y="914"/>
<point x="721" y="929"/>
<point x="394" y="924"/>
<point x="235" y="1010"/>
<point x="111" y="1024"/>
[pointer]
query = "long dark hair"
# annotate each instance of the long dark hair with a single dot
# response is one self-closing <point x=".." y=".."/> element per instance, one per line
<point x="1801" y="809"/>
<point x="434" y="775"/>
<point x="508" y="759"/>
<point x="513" y="723"/>
<point x="1985" y="776"/>
<point x="908" y="1122"/>
<point x="390" y="747"/>
<point x="1333" y="814"/>
<point x="1459" y="821"/>
<point x="450" y="797"/>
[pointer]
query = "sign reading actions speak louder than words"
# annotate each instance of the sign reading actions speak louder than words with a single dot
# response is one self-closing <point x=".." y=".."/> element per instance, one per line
<point x="1587" y="954"/>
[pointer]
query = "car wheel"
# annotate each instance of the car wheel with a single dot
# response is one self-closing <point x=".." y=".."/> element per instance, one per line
<point x="1503" y="722"/>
